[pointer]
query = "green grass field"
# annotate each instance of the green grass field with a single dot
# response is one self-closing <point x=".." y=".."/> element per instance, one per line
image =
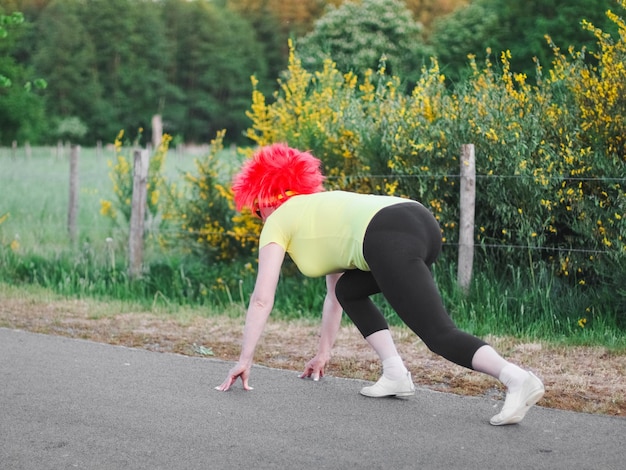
<point x="35" y="193"/>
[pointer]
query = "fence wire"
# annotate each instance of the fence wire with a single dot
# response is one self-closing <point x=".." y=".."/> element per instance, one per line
<point x="172" y="232"/>
<point x="608" y="179"/>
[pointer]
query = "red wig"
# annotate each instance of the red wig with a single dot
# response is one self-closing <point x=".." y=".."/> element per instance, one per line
<point x="272" y="172"/>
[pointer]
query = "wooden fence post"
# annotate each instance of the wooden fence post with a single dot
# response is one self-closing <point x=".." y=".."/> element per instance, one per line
<point x="60" y="149"/>
<point x="467" y="212"/>
<point x="73" y="199"/>
<point x="157" y="131"/>
<point x="138" y="213"/>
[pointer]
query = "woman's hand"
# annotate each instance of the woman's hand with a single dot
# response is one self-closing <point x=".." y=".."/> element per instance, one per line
<point x="270" y="259"/>
<point x="315" y="368"/>
<point x="239" y="370"/>
<point x="331" y="319"/>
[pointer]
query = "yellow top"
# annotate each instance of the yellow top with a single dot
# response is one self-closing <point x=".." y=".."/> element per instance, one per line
<point x="323" y="232"/>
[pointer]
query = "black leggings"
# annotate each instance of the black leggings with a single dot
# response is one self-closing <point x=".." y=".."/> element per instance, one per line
<point x="401" y="243"/>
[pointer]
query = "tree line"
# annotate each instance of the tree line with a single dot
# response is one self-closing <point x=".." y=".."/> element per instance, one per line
<point x="113" y="64"/>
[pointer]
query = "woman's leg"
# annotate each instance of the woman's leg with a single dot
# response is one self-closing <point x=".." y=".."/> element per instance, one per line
<point x="523" y="388"/>
<point x="400" y="244"/>
<point x="353" y="291"/>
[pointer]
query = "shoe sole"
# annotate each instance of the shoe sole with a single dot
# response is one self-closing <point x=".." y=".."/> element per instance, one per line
<point x="399" y="394"/>
<point x="533" y="398"/>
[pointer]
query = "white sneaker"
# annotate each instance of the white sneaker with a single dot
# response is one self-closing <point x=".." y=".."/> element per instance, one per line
<point x="517" y="404"/>
<point x="389" y="388"/>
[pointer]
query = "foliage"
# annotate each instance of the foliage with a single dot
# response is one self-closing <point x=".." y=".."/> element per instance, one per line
<point x="66" y="56"/>
<point x="116" y="63"/>
<point x="550" y="156"/>
<point x="214" y="52"/>
<point x="587" y="148"/>
<point x="358" y="35"/>
<point x="274" y="22"/>
<point x="427" y="11"/>
<point x="209" y="225"/>
<point x="495" y="306"/>
<point x="269" y="32"/>
<point x="71" y="128"/>
<point x="119" y="210"/>
<point x="21" y="112"/>
<point x="468" y="30"/>
<point x="128" y="66"/>
<point x="7" y="21"/>
<point x="519" y="27"/>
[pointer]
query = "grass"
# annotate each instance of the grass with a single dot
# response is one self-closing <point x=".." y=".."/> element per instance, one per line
<point x="35" y="192"/>
<point x="548" y="309"/>
<point x="35" y="250"/>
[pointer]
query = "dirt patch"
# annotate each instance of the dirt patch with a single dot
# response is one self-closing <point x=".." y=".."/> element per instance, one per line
<point x="582" y="379"/>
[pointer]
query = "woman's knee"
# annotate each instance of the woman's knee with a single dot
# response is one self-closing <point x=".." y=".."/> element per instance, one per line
<point x="342" y="291"/>
<point x="454" y="345"/>
<point x="355" y="285"/>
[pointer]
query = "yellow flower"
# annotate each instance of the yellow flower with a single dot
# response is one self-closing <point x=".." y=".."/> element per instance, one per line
<point x="582" y="322"/>
<point x="107" y="209"/>
<point x="154" y="197"/>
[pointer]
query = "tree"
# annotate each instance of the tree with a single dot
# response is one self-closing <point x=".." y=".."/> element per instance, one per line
<point x="469" y="30"/>
<point x="215" y="53"/>
<point x="21" y="111"/>
<point x="6" y="22"/>
<point x="131" y="60"/>
<point x="520" y="27"/>
<point x="426" y="11"/>
<point x="270" y="32"/>
<point x="66" y="56"/>
<point x="356" y="35"/>
<point x="293" y="16"/>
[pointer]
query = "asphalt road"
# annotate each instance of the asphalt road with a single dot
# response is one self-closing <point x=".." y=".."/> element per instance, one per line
<point x="67" y="403"/>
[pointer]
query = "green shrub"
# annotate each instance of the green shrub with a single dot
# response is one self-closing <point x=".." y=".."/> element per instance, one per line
<point x="550" y="157"/>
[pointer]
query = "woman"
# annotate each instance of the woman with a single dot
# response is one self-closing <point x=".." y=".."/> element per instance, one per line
<point x="363" y="244"/>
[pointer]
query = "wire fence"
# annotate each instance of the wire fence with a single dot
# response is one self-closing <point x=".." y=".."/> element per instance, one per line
<point x="486" y="177"/>
<point x="530" y="178"/>
<point x="38" y="177"/>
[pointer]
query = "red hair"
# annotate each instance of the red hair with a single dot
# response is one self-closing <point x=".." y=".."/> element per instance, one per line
<point x="274" y="170"/>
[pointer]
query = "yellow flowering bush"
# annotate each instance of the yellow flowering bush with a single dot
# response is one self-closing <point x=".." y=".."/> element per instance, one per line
<point x="121" y="176"/>
<point x="583" y="156"/>
<point x="315" y="111"/>
<point x="549" y="155"/>
<point x="205" y="214"/>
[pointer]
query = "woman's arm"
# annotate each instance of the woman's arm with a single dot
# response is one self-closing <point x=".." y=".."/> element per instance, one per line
<point x="331" y="320"/>
<point x="261" y="302"/>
